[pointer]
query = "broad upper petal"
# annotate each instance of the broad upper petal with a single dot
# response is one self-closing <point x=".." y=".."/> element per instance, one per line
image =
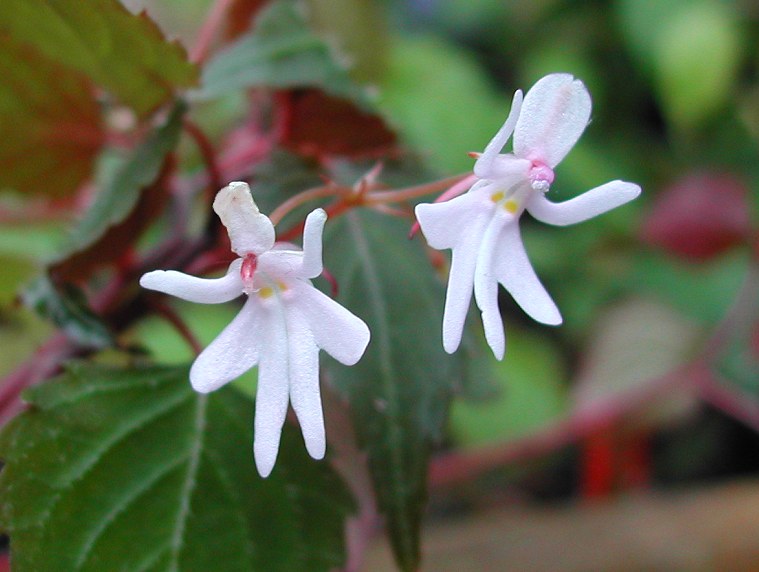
<point x="587" y="205"/>
<point x="193" y="289"/>
<point x="336" y="330"/>
<point x="249" y="230"/>
<point x="483" y="165"/>
<point x="273" y="388"/>
<point x="304" y="381"/>
<point x="554" y="114"/>
<point x="514" y="271"/>
<point x="234" y="351"/>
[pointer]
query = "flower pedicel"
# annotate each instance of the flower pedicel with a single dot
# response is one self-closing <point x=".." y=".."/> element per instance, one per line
<point x="281" y="328"/>
<point x="482" y="225"/>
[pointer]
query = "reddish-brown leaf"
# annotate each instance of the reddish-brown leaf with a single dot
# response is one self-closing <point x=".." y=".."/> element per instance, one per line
<point x="315" y="124"/>
<point x="50" y="128"/>
<point x="699" y="216"/>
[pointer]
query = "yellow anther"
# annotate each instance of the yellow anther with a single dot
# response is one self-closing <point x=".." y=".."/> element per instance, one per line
<point x="282" y="286"/>
<point x="495" y="197"/>
<point x="266" y="292"/>
<point x="511" y="206"/>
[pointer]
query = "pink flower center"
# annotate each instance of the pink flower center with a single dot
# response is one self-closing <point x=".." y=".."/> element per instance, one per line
<point x="541" y="176"/>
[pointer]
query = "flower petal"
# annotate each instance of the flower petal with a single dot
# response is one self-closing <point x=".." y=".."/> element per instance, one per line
<point x="486" y="284"/>
<point x="555" y="113"/>
<point x="249" y="230"/>
<point x="304" y="381"/>
<point x="587" y="205"/>
<point x="336" y="330"/>
<point x="514" y="271"/>
<point x="458" y="224"/>
<point x="273" y="388"/>
<point x="482" y="167"/>
<point x="193" y="289"/>
<point x="312" y="243"/>
<point x="234" y="351"/>
<point x="446" y="224"/>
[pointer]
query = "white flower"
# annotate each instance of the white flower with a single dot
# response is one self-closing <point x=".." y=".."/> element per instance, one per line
<point x="281" y="327"/>
<point x="482" y="226"/>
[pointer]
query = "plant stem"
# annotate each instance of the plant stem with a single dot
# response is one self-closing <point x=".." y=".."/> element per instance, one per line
<point x="208" y="31"/>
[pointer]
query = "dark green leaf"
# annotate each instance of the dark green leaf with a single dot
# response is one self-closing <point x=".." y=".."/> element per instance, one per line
<point x="123" y="52"/>
<point x="282" y="51"/>
<point x="50" y="129"/>
<point x="67" y="308"/>
<point x="93" y="240"/>
<point x="399" y="392"/>
<point x="131" y="470"/>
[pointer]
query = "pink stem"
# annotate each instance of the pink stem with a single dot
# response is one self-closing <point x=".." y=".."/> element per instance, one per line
<point x="45" y="363"/>
<point x="209" y="30"/>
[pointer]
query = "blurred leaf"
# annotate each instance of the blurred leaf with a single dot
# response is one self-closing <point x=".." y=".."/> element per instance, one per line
<point x="703" y="292"/>
<point x="440" y="101"/>
<point x="50" y="130"/>
<point x="642" y="23"/>
<point x="33" y="241"/>
<point x="634" y="344"/>
<point x="699" y="216"/>
<point x="67" y="308"/>
<point x="21" y="333"/>
<point x="531" y="393"/>
<point x="131" y="470"/>
<point x="358" y="28"/>
<point x="697" y="60"/>
<point x="129" y="200"/>
<point x="399" y="391"/>
<point x="120" y="51"/>
<point x="281" y="52"/>
<point x="319" y="125"/>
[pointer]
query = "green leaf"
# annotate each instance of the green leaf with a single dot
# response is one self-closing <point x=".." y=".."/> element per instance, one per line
<point x="105" y="229"/>
<point x="400" y="390"/>
<point x="531" y="393"/>
<point x="697" y="63"/>
<point x="67" y="308"/>
<point x="282" y="51"/>
<point x="50" y="130"/>
<point x="461" y="110"/>
<point x="123" y="52"/>
<point x="116" y="469"/>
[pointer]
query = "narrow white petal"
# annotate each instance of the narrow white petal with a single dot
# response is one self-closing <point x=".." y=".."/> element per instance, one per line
<point x="486" y="283"/>
<point x="554" y="114"/>
<point x="273" y="388"/>
<point x="234" y="351"/>
<point x="587" y="205"/>
<point x="446" y="224"/>
<point x="304" y="381"/>
<point x="336" y="330"/>
<point x="193" y="289"/>
<point x="312" y="243"/>
<point x="482" y="167"/>
<point x="514" y="271"/>
<point x="465" y="239"/>
<point x="249" y="230"/>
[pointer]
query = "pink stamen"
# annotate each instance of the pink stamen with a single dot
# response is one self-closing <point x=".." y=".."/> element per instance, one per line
<point x="540" y="172"/>
<point x="248" y="268"/>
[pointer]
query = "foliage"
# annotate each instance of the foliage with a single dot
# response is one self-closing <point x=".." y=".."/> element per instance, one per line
<point x="114" y="138"/>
